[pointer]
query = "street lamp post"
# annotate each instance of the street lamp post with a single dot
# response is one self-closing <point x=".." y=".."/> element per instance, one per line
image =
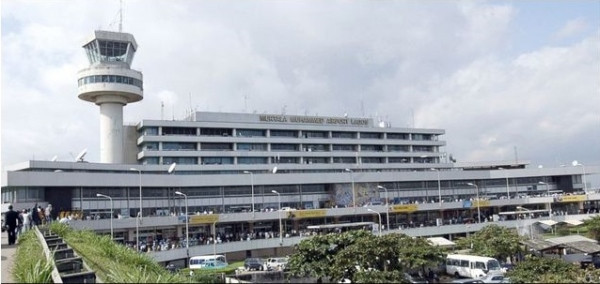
<point x="575" y="164"/>
<point x="187" y="224"/>
<point x="252" y="188"/>
<point x="547" y="187"/>
<point x="387" y="206"/>
<point x="353" y="191"/>
<point x="439" y="185"/>
<point x="279" y="214"/>
<point x="379" y="215"/>
<point x="111" y="213"/>
<point x="139" y="216"/>
<point x="507" y="188"/>
<point x="478" y="201"/>
<point x="520" y="208"/>
<point x="549" y="206"/>
<point x="215" y="239"/>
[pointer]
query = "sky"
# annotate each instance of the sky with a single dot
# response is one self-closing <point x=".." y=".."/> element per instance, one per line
<point x="506" y="79"/>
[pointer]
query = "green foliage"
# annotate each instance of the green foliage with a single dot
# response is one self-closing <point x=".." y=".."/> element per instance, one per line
<point x="313" y="256"/>
<point x="492" y="241"/>
<point x="593" y="227"/>
<point x="113" y="262"/>
<point x="362" y="257"/>
<point x="30" y="265"/>
<point x="543" y="270"/>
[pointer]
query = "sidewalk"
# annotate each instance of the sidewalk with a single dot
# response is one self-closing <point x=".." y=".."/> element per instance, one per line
<point x="8" y="258"/>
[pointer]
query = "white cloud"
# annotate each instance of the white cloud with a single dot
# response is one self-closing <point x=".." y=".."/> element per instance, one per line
<point x="443" y="61"/>
<point x="571" y="28"/>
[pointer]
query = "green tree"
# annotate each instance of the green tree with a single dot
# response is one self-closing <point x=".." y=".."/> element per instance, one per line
<point x="593" y="226"/>
<point x="544" y="270"/>
<point x="362" y="257"/>
<point x="493" y="241"/>
<point x="313" y="257"/>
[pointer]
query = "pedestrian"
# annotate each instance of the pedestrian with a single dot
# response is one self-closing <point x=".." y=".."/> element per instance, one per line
<point x="26" y="220"/>
<point x="12" y="221"/>
<point x="48" y="213"/>
<point x="35" y="217"/>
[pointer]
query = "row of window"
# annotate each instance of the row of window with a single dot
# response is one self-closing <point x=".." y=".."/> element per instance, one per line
<point x="110" y="79"/>
<point x="282" y="160"/>
<point x="192" y="131"/>
<point x="190" y="146"/>
<point x="200" y="191"/>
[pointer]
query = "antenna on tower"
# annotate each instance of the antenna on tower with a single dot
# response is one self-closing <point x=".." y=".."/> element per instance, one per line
<point x="162" y="110"/>
<point x="362" y="106"/>
<point x="121" y="16"/>
<point x="245" y="103"/>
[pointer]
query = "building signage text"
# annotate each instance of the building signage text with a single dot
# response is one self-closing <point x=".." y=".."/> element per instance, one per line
<point x="314" y="120"/>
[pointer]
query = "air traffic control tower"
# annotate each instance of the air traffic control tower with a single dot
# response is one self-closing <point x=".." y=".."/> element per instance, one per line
<point x="110" y="83"/>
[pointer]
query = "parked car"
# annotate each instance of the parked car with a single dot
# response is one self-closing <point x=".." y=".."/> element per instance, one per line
<point x="414" y="278"/>
<point x="467" y="280"/>
<point x="494" y="278"/>
<point x="276" y="263"/>
<point x="254" y="264"/>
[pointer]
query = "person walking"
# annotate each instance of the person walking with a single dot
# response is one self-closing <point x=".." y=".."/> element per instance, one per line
<point x="26" y="220"/>
<point x="12" y="221"/>
<point x="35" y="217"/>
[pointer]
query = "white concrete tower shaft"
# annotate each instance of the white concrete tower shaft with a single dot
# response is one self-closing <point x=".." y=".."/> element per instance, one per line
<point x="110" y="83"/>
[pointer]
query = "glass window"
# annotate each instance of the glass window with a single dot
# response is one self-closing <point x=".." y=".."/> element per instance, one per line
<point x="217" y="161"/>
<point x="216" y="146"/>
<point x="345" y="135"/>
<point x="314" y="134"/>
<point x="371" y="148"/>
<point x="284" y="133"/>
<point x="188" y="131"/>
<point x="252" y="160"/>
<point x="341" y="147"/>
<point x="398" y="148"/>
<point x="370" y="135"/>
<point x="284" y="147"/>
<point x="251" y="147"/>
<point x="178" y="146"/>
<point x="250" y="132"/>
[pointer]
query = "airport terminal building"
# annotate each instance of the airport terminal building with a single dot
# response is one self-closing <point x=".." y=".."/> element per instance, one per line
<point x="238" y="169"/>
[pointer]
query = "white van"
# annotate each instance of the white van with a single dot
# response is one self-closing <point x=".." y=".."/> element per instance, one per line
<point x="208" y="262"/>
<point x="276" y="263"/>
<point x="471" y="266"/>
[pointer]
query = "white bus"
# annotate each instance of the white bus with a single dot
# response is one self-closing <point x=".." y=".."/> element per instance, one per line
<point x="208" y="262"/>
<point x="471" y="266"/>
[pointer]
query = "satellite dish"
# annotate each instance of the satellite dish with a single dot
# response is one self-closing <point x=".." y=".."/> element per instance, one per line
<point x="274" y="170"/>
<point x="575" y="163"/>
<point x="172" y="167"/>
<point x="81" y="155"/>
<point x="54" y="158"/>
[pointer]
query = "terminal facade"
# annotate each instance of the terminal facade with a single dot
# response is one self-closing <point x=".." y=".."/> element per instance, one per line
<point x="239" y="169"/>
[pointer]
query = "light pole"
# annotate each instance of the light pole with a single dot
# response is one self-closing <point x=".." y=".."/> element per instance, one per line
<point x="187" y="224"/>
<point x="170" y="171"/>
<point x="549" y="206"/>
<point x="507" y="188"/>
<point x="387" y="206"/>
<point x="215" y="239"/>
<point x="111" y="213"/>
<point x="478" y="201"/>
<point x="547" y="187"/>
<point x="353" y="191"/>
<point x="252" y="188"/>
<point x="371" y="210"/>
<point x="279" y="214"/>
<point x="575" y="164"/>
<point x="139" y="216"/>
<point x="520" y="208"/>
<point x="439" y="185"/>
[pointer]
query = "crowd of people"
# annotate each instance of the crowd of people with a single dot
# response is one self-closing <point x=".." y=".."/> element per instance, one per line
<point x="18" y="222"/>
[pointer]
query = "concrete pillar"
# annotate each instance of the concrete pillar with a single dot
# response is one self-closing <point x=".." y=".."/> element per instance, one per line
<point x="111" y="132"/>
